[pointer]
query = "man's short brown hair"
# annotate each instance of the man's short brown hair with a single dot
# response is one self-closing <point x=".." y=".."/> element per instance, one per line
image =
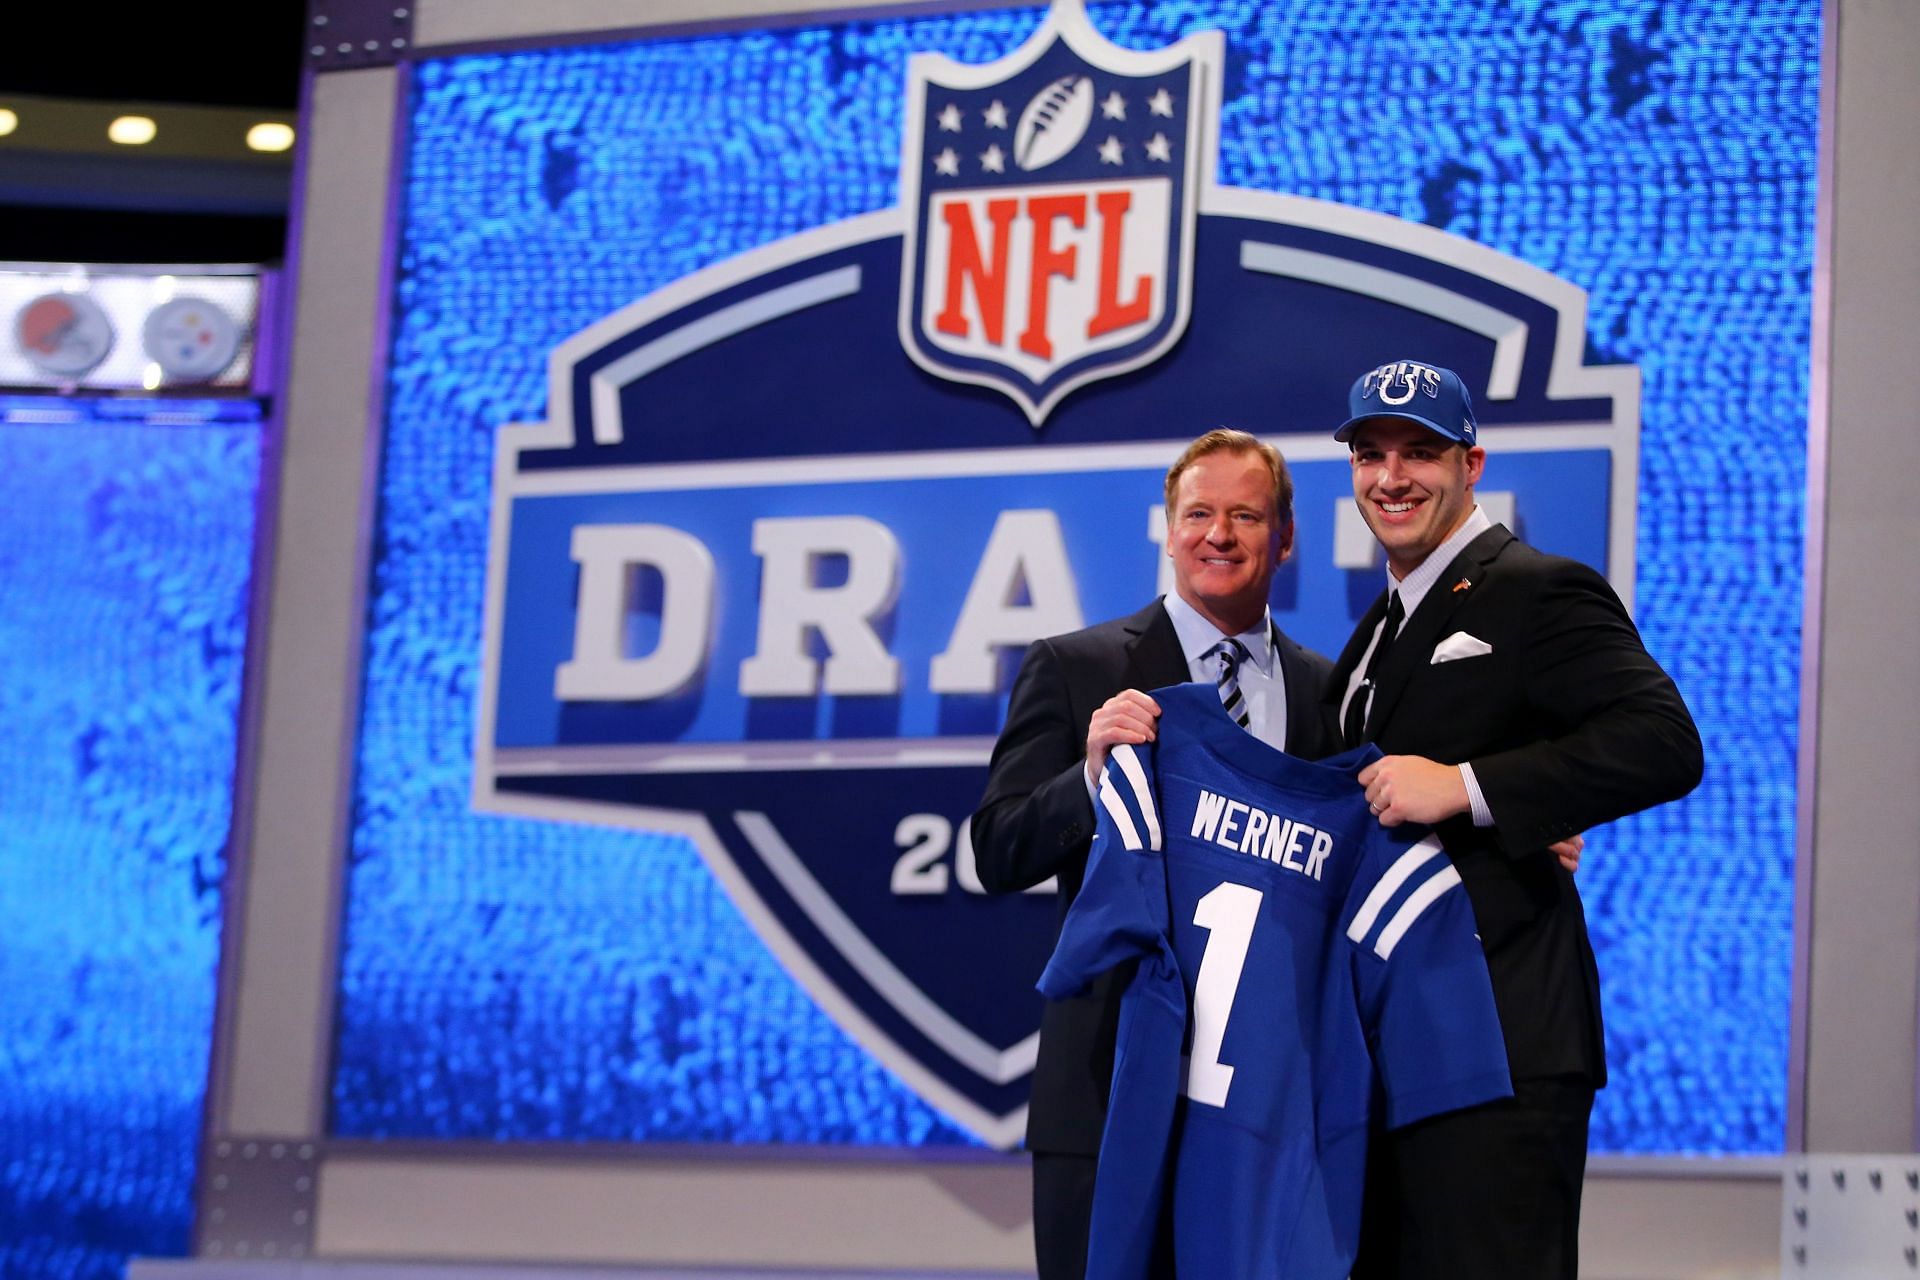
<point x="1227" y="440"/>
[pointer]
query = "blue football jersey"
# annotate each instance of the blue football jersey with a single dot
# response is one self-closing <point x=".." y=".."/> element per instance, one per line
<point x="1303" y="972"/>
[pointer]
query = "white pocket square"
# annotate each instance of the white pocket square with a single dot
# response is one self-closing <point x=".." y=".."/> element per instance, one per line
<point x="1459" y="645"/>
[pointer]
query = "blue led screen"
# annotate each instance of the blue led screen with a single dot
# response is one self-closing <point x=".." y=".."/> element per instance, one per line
<point x="511" y="979"/>
<point x="126" y="542"/>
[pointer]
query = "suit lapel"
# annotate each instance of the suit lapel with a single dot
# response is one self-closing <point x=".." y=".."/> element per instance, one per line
<point x="1303" y="697"/>
<point x="1413" y="649"/>
<point x="1335" y="693"/>
<point x="1154" y="657"/>
<point x="1363" y="630"/>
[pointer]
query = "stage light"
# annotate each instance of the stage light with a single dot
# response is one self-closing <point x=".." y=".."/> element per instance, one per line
<point x="132" y="131"/>
<point x="9" y="121"/>
<point x="270" y="136"/>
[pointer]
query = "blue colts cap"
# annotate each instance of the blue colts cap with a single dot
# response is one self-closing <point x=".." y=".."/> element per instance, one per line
<point x="1426" y="394"/>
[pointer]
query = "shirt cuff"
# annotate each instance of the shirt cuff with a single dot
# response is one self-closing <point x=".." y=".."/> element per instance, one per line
<point x="1482" y="816"/>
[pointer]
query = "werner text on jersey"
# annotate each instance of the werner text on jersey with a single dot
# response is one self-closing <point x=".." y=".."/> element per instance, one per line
<point x="1302" y="973"/>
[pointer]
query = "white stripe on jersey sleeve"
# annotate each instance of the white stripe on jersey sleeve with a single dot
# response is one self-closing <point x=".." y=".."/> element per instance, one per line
<point x="1117" y="808"/>
<point x="1142" y="792"/>
<point x="1417" y="901"/>
<point x="1389" y="884"/>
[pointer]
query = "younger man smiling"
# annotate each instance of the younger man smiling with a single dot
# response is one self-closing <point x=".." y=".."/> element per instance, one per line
<point x="1517" y="707"/>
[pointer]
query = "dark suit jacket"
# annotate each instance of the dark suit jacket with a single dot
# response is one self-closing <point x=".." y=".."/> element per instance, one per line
<point x="1036" y="820"/>
<point x="1568" y="723"/>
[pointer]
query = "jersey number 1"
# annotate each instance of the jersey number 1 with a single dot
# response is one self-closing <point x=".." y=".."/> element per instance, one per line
<point x="1227" y="914"/>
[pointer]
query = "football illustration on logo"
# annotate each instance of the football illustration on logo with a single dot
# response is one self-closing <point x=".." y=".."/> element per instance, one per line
<point x="1054" y="122"/>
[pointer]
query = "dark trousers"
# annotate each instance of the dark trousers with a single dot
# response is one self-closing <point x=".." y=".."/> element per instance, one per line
<point x="1488" y="1193"/>
<point x="1062" y="1214"/>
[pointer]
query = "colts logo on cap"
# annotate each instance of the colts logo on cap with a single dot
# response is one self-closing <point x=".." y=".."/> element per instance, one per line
<point x="1396" y="383"/>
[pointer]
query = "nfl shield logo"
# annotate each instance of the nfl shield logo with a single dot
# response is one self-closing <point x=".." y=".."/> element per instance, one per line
<point x="1050" y="200"/>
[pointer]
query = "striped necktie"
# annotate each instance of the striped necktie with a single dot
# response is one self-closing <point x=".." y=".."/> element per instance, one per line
<point x="1231" y="654"/>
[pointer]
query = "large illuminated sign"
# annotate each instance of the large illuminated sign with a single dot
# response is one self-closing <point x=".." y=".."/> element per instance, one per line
<point x="764" y="573"/>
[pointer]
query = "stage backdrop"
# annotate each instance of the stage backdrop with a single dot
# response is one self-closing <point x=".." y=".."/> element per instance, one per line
<point x="701" y="575"/>
<point x="126" y="548"/>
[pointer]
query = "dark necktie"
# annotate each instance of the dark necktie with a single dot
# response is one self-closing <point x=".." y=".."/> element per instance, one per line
<point x="1355" y="725"/>
<point x="1231" y="654"/>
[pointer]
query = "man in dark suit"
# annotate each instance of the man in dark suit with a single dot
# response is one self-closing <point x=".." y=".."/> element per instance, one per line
<point x="1517" y="706"/>
<point x="1229" y="527"/>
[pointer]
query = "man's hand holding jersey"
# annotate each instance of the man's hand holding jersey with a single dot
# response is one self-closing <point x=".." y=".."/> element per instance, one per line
<point x="1128" y="716"/>
<point x="1416" y="789"/>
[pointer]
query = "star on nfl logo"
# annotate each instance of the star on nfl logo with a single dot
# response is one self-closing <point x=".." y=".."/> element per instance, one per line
<point x="1051" y="198"/>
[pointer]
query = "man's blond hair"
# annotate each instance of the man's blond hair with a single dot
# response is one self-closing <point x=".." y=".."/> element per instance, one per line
<point x="1228" y="440"/>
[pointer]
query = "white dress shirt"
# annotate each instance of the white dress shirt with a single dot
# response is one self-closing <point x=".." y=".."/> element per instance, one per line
<point x="1413" y="589"/>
